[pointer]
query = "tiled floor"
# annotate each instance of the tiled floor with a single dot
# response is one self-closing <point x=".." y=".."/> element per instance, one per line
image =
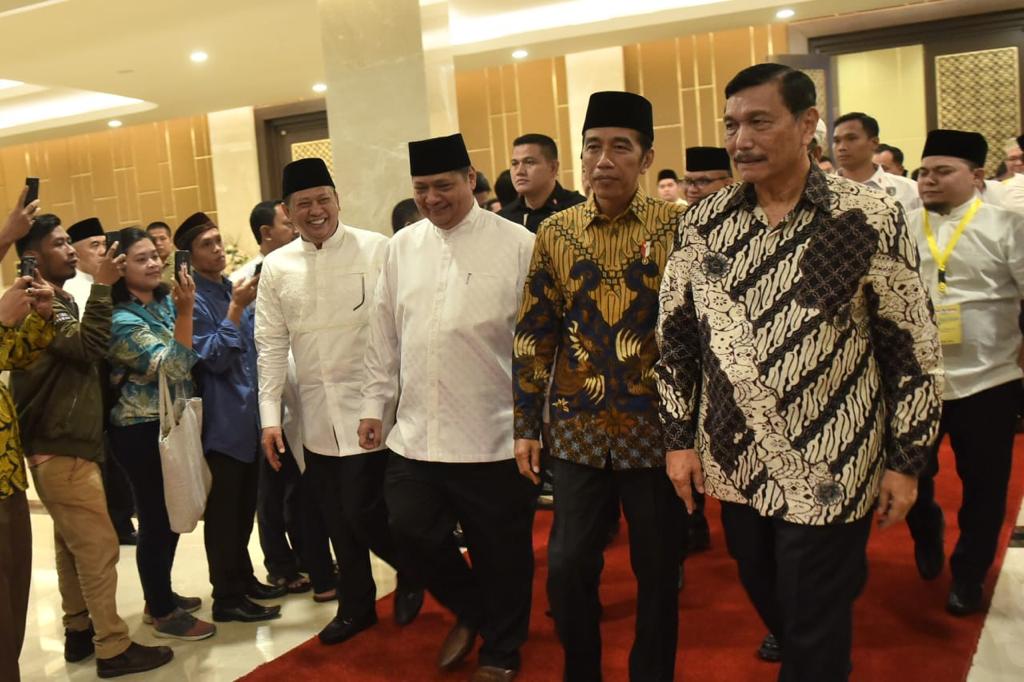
<point x="241" y="647"/>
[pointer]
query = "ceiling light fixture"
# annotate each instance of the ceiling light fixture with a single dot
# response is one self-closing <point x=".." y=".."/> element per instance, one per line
<point x="319" y="87"/>
<point x="114" y="123"/>
<point x="520" y="54"/>
<point x="785" y="14"/>
<point x="199" y="56"/>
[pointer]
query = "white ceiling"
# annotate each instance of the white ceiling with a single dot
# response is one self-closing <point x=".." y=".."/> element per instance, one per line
<point x="265" y="52"/>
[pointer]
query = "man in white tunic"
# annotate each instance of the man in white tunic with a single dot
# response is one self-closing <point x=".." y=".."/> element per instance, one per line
<point x="1013" y="188"/>
<point x="314" y="297"/>
<point x="90" y="244"/>
<point x="441" y="342"/>
<point x="854" y="142"/>
<point x="972" y="261"/>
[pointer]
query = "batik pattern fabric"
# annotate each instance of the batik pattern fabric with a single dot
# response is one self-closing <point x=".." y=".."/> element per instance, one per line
<point x="801" y="360"/>
<point x="589" y="312"/>
<point x="19" y="347"/>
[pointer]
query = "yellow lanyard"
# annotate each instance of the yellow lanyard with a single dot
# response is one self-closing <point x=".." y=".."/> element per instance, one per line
<point x="942" y="258"/>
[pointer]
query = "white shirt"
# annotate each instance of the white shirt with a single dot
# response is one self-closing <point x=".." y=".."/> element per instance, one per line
<point x="1013" y="194"/>
<point x="903" y="190"/>
<point x="80" y="287"/>
<point x="441" y="332"/>
<point x="316" y="302"/>
<point x="994" y="193"/>
<point x="246" y="271"/>
<point x="985" y="277"/>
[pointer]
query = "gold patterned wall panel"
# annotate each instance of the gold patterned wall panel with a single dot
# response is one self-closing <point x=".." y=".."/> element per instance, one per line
<point x="128" y="176"/>
<point x="684" y="78"/>
<point x="315" y="149"/>
<point x="498" y="104"/>
<point x="980" y="91"/>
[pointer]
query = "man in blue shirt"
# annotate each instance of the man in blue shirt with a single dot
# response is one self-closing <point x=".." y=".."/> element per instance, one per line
<point x="226" y="373"/>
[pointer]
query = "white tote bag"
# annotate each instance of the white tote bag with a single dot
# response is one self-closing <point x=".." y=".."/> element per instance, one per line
<point x="187" y="477"/>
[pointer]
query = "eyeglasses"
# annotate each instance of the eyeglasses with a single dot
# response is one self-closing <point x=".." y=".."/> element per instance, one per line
<point x="702" y="182"/>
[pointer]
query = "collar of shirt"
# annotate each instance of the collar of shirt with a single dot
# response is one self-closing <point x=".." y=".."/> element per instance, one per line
<point x="208" y="286"/>
<point x="462" y="226"/>
<point x="816" y="193"/>
<point x="954" y="215"/>
<point x="331" y="243"/>
<point x="638" y="206"/>
<point x="552" y="203"/>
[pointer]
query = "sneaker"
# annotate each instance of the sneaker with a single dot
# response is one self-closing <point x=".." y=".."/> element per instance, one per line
<point x="186" y="604"/>
<point x="78" y="644"/>
<point x="181" y="625"/>
<point x="135" y="659"/>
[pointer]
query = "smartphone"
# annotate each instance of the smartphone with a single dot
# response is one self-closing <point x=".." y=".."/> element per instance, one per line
<point x="182" y="258"/>
<point x="258" y="270"/>
<point x="33" y="190"/>
<point x="112" y="237"/>
<point x="27" y="267"/>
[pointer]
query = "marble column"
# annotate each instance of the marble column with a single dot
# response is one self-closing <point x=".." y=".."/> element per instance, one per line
<point x="378" y="98"/>
<point x="236" y="174"/>
<point x="586" y="73"/>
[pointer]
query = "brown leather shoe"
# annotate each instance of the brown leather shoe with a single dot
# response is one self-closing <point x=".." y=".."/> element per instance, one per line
<point x="490" y="673"/>
<point x="456" y="647"/>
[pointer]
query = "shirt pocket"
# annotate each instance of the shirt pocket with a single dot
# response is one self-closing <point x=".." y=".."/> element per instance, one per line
<point x="483" y="302"/>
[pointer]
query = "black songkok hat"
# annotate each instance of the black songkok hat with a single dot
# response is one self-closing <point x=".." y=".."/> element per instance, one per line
<point x="965" y="145"/>
<point x="438" y="155"/>
<point x="304" y="174"/>
<point x="83" y="229"/>
<point x="707" y="159"/>
<point x="667" y="174"/>
<point x="613" y="109"/>
<point x="194" y="225"/>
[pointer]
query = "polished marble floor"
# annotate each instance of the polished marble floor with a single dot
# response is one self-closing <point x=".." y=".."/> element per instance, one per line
<point x="241" y="647"/>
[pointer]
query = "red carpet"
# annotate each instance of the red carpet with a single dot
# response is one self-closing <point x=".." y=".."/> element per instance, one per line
<point x="902" y="631"/>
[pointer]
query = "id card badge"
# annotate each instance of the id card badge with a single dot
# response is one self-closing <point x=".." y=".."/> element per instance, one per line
<point x="950" y="324"/>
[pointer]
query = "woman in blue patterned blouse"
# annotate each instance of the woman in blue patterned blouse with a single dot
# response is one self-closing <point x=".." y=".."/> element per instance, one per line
<point x="151" y="334"/>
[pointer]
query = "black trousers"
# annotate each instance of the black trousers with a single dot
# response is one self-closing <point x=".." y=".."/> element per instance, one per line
<point x="802" y="581"/>
<point x="280" y="515"/>
<point x="350" y="491"/>
<point x="230" y="513"/>
<point x="119" y="494"/>
<point x="137" y="449"/>
<point x="576" y="559"/>
<point x="981" y="430"/>
<point x="494" y="506"/>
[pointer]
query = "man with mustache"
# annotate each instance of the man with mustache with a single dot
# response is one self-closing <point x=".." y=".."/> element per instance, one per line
<point x="799" y="370"/>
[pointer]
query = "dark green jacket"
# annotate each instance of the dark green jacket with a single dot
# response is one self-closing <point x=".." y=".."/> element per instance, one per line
<point x="60" y="397"/>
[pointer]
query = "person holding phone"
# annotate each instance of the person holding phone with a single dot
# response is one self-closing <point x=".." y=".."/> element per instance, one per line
<point x="226" y="369"/>
<point x="151" y="333"/>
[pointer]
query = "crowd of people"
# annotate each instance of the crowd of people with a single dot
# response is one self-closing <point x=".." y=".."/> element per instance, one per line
<point x="789" y="340"/>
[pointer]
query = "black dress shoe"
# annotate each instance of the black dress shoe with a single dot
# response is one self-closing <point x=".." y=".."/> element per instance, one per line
<point x="135" y="659"/>
<point x="456" y="646"/>
<point x="929" y="554"/>
<point x="965" y="600"/>
<point x="341" y="629"/>
<point x="78" y="644"/>
<point x="258" y="590"/>
<point x="244" y="611"/>
<point x="408" y="603"/>
<point x="770" y="649"/>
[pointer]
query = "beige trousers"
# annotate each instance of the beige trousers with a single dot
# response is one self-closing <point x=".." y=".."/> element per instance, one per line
<point x="71" y="489"/>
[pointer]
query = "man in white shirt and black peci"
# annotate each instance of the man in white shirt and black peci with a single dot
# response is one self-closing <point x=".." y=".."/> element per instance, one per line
<point x="314" y="298"/>
<point x="441" y="345"/>
<point x="972" y="261"/>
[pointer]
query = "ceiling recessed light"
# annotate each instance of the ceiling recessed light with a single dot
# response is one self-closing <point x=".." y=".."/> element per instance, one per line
<point x="199" y="56"/>
<point x="114" y="123"/>
<point x="319" y="87"/>
<point x="520" y="54"/>
<point x="785" y="14"/>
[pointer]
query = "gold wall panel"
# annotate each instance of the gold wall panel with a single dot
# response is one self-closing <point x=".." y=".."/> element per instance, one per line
<point x="128" y="176"/>
<point x="314" y="149"/>
<point x="683" y="77"/>
<point x="980" y="91"/>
